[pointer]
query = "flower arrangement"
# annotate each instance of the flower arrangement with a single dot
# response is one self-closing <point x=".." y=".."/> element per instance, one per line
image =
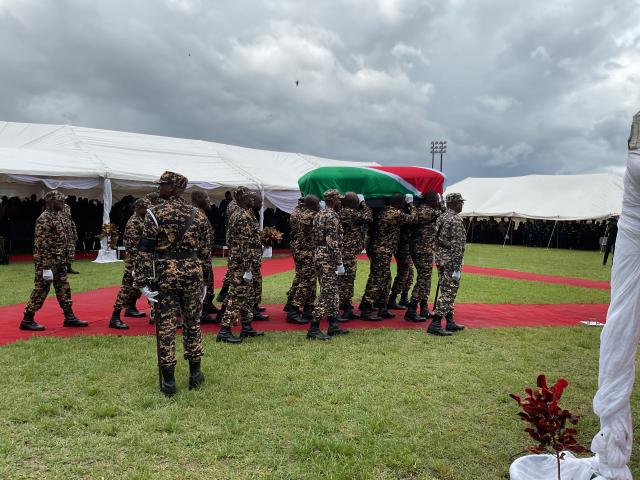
<point x="110" y="231"/>
<point x="270" y="236"/>
<point x="541" y="409"/>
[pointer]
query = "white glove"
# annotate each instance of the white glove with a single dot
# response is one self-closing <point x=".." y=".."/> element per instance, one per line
<point x="340" y="269"/>
<point x="361" y="197"/>
<point x="248" y="276"/>
<point x="47" y="275"/>
<point x="149" y="295"/>
<point x="456" y="275"/>
<point x="408" y="198"/>
<point x="322" y="205"/>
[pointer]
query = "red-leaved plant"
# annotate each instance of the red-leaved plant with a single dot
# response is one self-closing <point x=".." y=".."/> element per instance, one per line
<point x="548" y="421"/>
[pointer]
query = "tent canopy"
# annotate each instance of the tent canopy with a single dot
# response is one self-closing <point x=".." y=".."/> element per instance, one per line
<point x="106" y="164"/>
<point x="548" y="197"/>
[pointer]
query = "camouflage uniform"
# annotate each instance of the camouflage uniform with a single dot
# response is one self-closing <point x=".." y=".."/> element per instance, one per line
<point x="132" y="234"/>
<point x="422" y="247"/>
<point x="231" y="209"/>
<point x="303" y="289"/>
<point x="70" y="231"/>
<point x="327" y="236"/>
<point x="178" y="269"/>
<point x="404" y="274"/>
<point x="449" y="255"/>
<point x="354" y="222"/>
<point x="383" y="246"/>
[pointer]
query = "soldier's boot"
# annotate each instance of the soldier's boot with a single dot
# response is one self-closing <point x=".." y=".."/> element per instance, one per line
<point x="71" y="270"/>
<point x="28" y="323"/>
<point x="345" y="313"/>
<point x="259" y="308"/>
<point x="225" y="335"/>
<point x="314" y="332"/>
<point x="452" y="326"/>
<point x="220" y="314"/>
<point x="257" y="314"/>
<point x="70" y="320"/>
<point x="404" y="299"/>
<point x="411" y="315"/>
<point x="206" y="318"/>
<point x="196" y="377"/>
<point x="115" y="321"/>
<point x="383" y="312"/>
<point x="352" y="315"/>
<point x="222" y="294"/>
<point x="307" y="313"/>
<point x="132" y="311"/>
<point x="367" y="313"/>
<point x="435" y="327"/>
<point x="295" y="316"/>
<point x="288" y="307"/>
<point x="168" y="383"/>
<point x="393" y="305"/>
<point x="249" y="331"/>
<point x="334" y="327"/>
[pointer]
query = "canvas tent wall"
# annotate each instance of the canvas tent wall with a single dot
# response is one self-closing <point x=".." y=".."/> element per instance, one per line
<point x="546" y="197"/>
<point x="110" y="164"/>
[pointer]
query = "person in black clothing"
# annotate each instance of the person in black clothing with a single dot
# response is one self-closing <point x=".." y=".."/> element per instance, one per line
<point x="612" y="233"/>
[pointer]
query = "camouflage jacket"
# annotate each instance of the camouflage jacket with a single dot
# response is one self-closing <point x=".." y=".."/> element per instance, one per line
<point x="69" y="228"/>
<point x="451" y="238"/>
<point x="424" y="233"/>
<point x="354" y="223"/>
<point x="302" y="229"/>
<point x="50" y="246"/>
<point x="327" y="235"/>
<point x="245" y="249"/>
<point x="173" y="273"/>
<point x="228" y="213"/>
<point x="131" y="238"/>
<point x="388" y="226"/>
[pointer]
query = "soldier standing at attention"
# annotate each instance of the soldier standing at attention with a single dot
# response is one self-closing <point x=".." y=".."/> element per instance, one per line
<point x="383" y="246"/>
<point x="294" y="224"/>
<point x="128" y="294"/>
<point x="174" y="239"/>
<point x="257" y="278"/>
<point x="327" y="237"/>
<point x="450" y="242"/>
<point x="303" y="289"/>
<point x="245" y="251"/>
<point x="228" y="213"/>
<point x="50" y="257"/>
<point x="71" y="232"/>
<point x="201" y="201"/>
<point x="355" y="216"/>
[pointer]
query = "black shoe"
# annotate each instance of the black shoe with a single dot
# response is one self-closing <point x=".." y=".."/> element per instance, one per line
<point x="435" y="327"/>
<point x="411" y="315"/>
<point x="314" y="332"/>
<point x="70" y="320"/>
<point x="334" y="328"/>
<point x="225" y="335"/>
<point x="295" y="316"/>
<point x="404" y="300"/>
<point x="28" y="323"/>
<point x="168" y="383"/>
<point x="196" y="377"/>
<point x="71" y="270"/>
<point x="287" y="307"/>
<point x="369" y="316"/>
<point x="116" y="323"/>
<point x="208" y="319"/>
<point x="248" y="331"/>
<point x="424" y="310"/>
<point x="257" y="316"/>
<point x="260" y="309"/>
<point x="307" y="312"/>
<point x="393" y="305"/>
<point x="134" y="313"/>
<point x="384" y="313"/>
<point x="452" y="326"/>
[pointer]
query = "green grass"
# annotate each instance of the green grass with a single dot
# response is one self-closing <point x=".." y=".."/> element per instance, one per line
<point x="377" y="404"/>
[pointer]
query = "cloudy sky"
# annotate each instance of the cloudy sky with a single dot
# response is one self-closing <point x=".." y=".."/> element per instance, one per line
<point x="514" y="87"/>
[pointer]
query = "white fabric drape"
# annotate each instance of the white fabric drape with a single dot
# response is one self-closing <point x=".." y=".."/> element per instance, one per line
<point x="285" y="200"/>
<point x="55" y="183"/>
<point x="107" y="200"/>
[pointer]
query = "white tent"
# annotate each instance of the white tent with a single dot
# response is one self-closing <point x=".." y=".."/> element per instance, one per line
<point x="109" y="164"/>
<point x="549" y="197"/>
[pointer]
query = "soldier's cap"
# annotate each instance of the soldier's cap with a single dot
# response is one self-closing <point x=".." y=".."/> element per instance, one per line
<point x="331" y="194"/>
<point x="173" y="178"/>
<point x="242" y="192"/>
<point x="54" y="195"/>
<point x="142" y="202"/>
<point x="454" y="197"/>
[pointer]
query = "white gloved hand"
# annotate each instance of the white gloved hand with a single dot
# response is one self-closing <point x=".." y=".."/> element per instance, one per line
<point x="47" y="275"/>
<point x="456" y="275"/>
<point x="248" y="276"/>
<point x="322" y="205"/>
<point x="361" y="197"/>
<point x="408" y="198"/>
<point x="340" y="269"/>
<point x="149" y="294"/>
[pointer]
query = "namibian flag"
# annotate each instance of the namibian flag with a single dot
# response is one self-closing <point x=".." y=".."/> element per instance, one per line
<point x="373" y="182"/>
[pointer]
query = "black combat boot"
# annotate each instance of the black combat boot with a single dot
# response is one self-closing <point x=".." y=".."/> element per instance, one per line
<point x="71" y="270"/>
<point x="132" y="311"/>
<point x="248" y="331"/>
<point x="168" y="384"/>
<point x="367" y="313"/>
<point x="411" y="315"/>
<point x="28" y="323"/>
<point x="345" y="313"/>
<point x="225" y="335"/>
<point x="435" y="327"/>
<point x="70" y="320"/>
<point x="334" y="327"/>
<point x="260" y="309"/>
<point x="294" y="315"/>
<point x="307" y="313"/>
<point x="258" y="316"/>
<point x="404" y="299"/>
<point x="288" y="307"/>
<point x="220" y="314"/>
<point x="351" y="314"/>
<point x="314" y="332"/>
<point x="222" y="294"/>
<point x="452" y="326"/>
<point x="383" y="312"/>
<point x="424" y="309"/>
<point x="115" y="321"/>
<point x="196" y="377"/>
<point x="392" y="305"/>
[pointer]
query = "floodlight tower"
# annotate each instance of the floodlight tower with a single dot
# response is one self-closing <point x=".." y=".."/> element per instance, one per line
<point x="438" y="147"/>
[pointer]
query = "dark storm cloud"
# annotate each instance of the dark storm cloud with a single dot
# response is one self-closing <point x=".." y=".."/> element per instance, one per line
<point x="515" y="88"/>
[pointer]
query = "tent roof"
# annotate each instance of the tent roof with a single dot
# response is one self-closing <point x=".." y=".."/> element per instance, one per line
<point x="552" y="197"/>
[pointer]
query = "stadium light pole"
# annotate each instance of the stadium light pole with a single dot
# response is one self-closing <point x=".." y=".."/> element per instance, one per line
<point x="438" y="147"/>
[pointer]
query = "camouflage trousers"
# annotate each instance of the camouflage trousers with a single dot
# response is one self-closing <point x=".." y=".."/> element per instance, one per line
<point x="379" y="283"/>
<point x="347" y="281"/>
<point x="424" y="266"/>
<point x="207" y="278"/>
<point x="256" y="286"/>
<point x="189" y="303"/>
<point x="404" y="275"/>
<point x="328" y="301"/>
<point x="303" y="288"/>
<point x="128" y="293"/>
<point x="240" y="300"/>
<point x="448" y="291"/>
<point x="41" y="288"/>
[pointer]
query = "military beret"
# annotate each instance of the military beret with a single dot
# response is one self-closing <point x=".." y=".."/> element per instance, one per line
<point x="241" y="192"/>
<point x="175" y="179"/>
<point x="454" y="197"/>
<point x="331" y="194"/>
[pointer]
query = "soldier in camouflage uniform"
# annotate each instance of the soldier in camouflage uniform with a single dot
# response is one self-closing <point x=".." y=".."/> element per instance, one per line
<point x="257" y="278"/>
<point x="450" y="241"/>
<point x="355" y="217"/>
<point x="383" y="245"/>
<point x="50" y="257"/>
<point x="222" y="295"/>
<point x="422" y="248"/>
<point x="245" y="252"/>
<point x="201" y="201"/>
<point x="129" y="294"/>
<point x="293" y="222"/>
<point x="404" y="273"/>
<point x="174" y="240"/>
<point x="303" y="289"/>
<point x="71" y="232"/>
<point x="327" y="237"/>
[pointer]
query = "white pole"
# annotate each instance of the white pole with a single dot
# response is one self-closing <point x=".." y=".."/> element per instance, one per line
<point x="553" y="230"/>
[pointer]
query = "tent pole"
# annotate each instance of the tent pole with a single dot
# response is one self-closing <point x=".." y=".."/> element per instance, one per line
<point x="551" y="237"/>
<point x="262" y="210"/>
<point x="506" y="235"/>
<point x="107" y="198"/>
